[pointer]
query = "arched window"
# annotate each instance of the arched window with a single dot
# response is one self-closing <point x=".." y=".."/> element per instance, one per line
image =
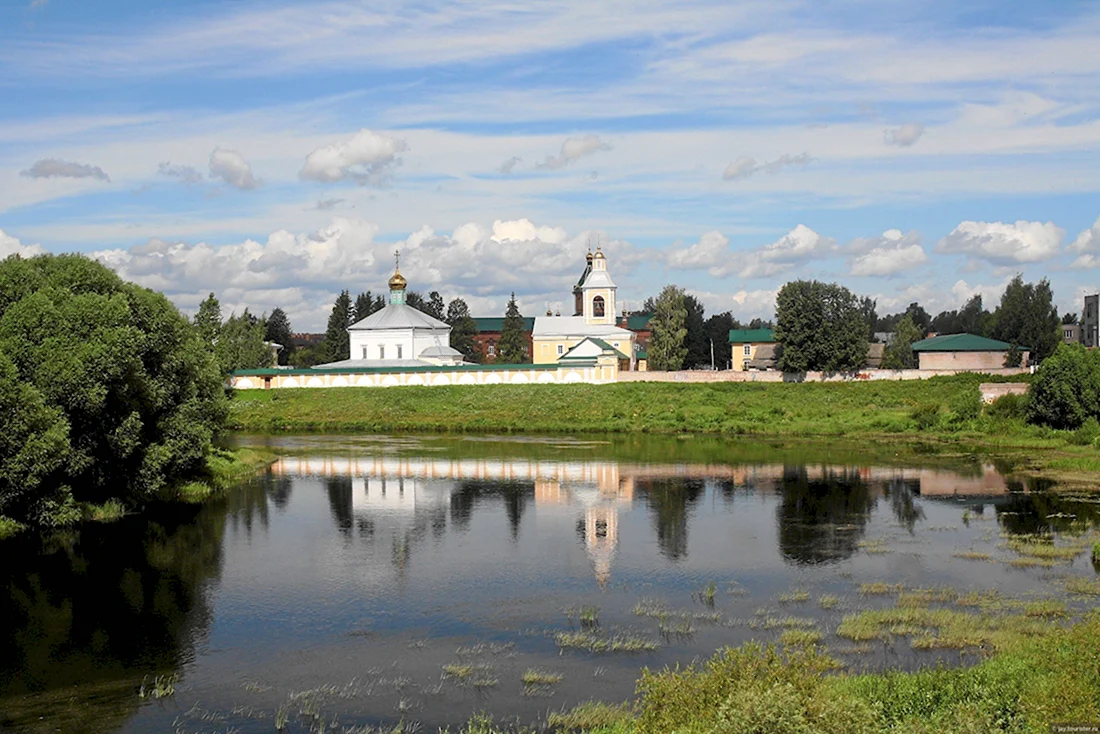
<point x="597" y="306"/>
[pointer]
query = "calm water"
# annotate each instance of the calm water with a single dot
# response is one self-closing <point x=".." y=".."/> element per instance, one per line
<point x="373" y="580"/>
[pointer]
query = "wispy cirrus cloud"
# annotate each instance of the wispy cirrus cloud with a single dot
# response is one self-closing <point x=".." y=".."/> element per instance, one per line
<point x="744" y="167"/>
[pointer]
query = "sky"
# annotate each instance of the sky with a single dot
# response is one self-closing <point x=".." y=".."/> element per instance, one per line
<point x="276" y="153"/>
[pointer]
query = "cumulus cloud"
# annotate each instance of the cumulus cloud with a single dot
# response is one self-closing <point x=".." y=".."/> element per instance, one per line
<point x="508" y="165"/>
<point x="1004" y="243"/>
<point x="11" y="246"/>
<point x="889" y="254"/>
<point x="574" y="148"/>
<point x="744" y="167"/>
<point x="368" y="157"/>
<point x="187" y="174"/>
<point x="903" y="136"/>
<point x="301" y="272"/>
<point x="231" y="167"/>
<point x="56" y="168"/>
<point x="1088" y="244"/>
<point x="712" y="252"/>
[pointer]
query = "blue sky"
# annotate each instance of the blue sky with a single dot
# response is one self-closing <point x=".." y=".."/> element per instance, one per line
<point x="275" y="153"/>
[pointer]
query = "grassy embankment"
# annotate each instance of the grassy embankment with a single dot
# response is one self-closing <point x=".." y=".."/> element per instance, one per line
<point x="943" y="411"/>
<point x="1040" y="675"/>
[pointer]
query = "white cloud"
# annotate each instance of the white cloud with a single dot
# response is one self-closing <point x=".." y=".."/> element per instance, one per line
<point x="904" y="136"/>
<point x="55" y="168"/>
<point x="11" y="246"/>
<point x="187" y="174"/>
<point x="574" y="148"/>
<point x="744" y="167"/>
<point x="508" y="165"/>
<point x="710" y="251"/>
<point x="301" y="272"/>
<point x="754" y="304"/>
<point x="368" y="157"/>
<point x="231" y="167"/>
<point x="1004" y="243"/>
<point x="1088" y="244"/>
<point x="891" y="253"/>
<point x="325" y="205"/>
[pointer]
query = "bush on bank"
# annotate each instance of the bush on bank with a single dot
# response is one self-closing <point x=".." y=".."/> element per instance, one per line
<point x="1066" y="389"/>
<point x="105" y="389"/>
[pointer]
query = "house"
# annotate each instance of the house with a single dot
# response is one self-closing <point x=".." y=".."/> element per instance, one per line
<point x="766" y="357"/>
<point x="745" y="343"/>
<point x="1090" y="322"/>
<point x="966" y="352"/>
<point x="1071" y="333"/>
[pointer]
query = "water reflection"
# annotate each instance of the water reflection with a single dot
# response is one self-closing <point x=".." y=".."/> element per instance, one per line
<point x="389" y="542"/>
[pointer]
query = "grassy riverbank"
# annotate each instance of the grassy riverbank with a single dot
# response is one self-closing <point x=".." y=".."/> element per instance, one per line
<point x="943" y="410"/>
<point x="1035" y="679"/>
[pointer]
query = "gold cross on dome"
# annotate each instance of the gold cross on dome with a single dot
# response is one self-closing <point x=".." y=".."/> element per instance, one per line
<point x="397" y="259"/>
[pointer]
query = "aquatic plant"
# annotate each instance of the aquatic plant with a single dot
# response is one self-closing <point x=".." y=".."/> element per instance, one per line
<point x="587" y="640"/>
<point x="535" y="677"/>
<point x="828" y="601"/>
<point x="795" y="595"/>
<point x="159" y="686"/>
<point x="799" y="637"/>
<point x="879" y="588"/>
<point x="973" y="556"/>
<point x="1084" y="587"/>
<point x="707" y="594"/>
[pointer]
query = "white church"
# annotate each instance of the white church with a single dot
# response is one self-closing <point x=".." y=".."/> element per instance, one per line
<point x="399" y="335"/>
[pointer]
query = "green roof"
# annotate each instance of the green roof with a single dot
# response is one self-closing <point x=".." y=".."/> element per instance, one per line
<point x="496" y="323"/>
<point x="598" y="342"/>
<point x="642" y="354"/>
<point x="752" y="336"/>
<point x="963" y="343"/>
<point x="639" y="322"/>
<point x="604" y="345"/>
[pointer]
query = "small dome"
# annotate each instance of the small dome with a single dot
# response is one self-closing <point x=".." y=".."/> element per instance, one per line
<point x="398" y="282"/>
<point x="599" y="254"/>
<point x="588" y="257"/>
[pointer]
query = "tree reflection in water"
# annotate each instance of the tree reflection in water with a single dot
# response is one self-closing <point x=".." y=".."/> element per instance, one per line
<point x="901" y="492"/>
<point x="91" y="612"/>
<point x="821" y="520"/>
<point x="669" y="502"/>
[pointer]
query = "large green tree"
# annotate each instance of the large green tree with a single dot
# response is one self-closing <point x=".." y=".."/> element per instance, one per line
<point x="337" y="342"/>
<point x="463" y="330"/>
<point x="108" y="377"/>
<point x="241" y="344"/>
<point x="366" y="304"/>
<point x="820" y="327"/>
<point x="666" y="349"/>
<point x="1027" y="318"/>
<point x="900" y="355"/>
<point x="718" y="329"/>
<point x="1066" y="390"/>
<point x="513" y="338"/>
<point x="279" y="332"/>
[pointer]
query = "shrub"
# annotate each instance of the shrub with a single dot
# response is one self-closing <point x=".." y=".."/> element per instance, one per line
<point x="1066" y="390"/>
<point x="926" y="415"/>
<point x="1087" y="434"/>
<point x="966" y="406"/>
<point x="1009" y="407"/>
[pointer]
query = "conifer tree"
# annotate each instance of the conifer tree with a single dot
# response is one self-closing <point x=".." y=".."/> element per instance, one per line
<point x="667" y="349"/>
<point x="365" y="305"/>
<point x="513" y="339"/>
<point x="337" y="342"/>
<point x="208" y="320"/>
<point x="463" y="330"/>
<point x="1027" y="318"/>
<point x="279" y="332"/>
<point x="434" y="307"/>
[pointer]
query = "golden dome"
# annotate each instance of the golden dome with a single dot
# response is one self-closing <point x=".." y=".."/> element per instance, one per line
<point x="599" y="253"/>
<point x="398" y="282"/>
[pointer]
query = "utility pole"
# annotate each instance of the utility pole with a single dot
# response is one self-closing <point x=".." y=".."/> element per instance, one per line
<point x="712" y="369"/>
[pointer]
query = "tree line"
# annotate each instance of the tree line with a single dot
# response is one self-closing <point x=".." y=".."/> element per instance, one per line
<point x="827" y="327"/>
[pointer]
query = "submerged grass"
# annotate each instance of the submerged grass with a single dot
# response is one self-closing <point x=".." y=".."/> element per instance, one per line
<point x="587" y="640"/>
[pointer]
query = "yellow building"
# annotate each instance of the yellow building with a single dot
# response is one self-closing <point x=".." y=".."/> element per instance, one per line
<point x="594" y="318"/>
<point x="745" y="343"/>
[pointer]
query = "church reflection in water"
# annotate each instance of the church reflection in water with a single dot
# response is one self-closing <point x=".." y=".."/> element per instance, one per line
<point x="821" y="511"/>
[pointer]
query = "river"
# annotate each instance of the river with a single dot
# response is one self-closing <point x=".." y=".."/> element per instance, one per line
<point x="372" y="580"/>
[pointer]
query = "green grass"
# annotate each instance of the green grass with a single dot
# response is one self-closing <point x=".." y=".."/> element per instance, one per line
<point x="799" y="638"/>
<point x="109" y="511"/>
<point x="535" y="677"/>
<point x="597" y="643"/>
<point x="828" y="601"/>
<point x="794" y="596"/>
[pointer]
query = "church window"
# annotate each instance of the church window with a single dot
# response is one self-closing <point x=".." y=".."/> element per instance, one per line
<point x="365" y="353"/>
<point x="748" y="350"/>
<point x="492" y="350"/>
<point x="399" y="351"/>
<point x="561" y="349"/>
<point x="381" y="351"/>
<point x="597" y="306"/>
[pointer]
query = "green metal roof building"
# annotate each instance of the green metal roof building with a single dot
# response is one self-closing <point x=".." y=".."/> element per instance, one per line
<point x="752" y="336"/>
<point x="963" y="343"/>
